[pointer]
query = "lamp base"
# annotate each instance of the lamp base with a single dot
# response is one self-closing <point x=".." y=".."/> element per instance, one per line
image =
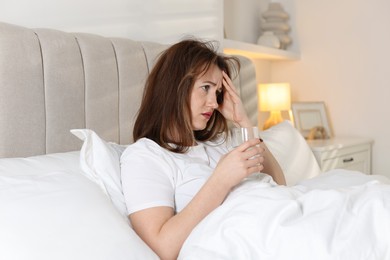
<point x="275" y="118"/>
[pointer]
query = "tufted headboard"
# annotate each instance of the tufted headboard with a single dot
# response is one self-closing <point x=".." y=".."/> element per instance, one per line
<point x="53" y="81"/>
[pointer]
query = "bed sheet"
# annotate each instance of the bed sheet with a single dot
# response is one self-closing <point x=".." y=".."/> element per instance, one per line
<point x="338" y="215"/>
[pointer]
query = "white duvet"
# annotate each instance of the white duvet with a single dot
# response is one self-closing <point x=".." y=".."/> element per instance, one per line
<point x="338" y="215"/>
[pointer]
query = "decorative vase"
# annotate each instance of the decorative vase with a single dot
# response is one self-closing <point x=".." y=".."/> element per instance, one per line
<point x="269" y="39"/>
<point x="275" y="12"/>
<point x="275" y="21"/>
<point x="284" y="40"/>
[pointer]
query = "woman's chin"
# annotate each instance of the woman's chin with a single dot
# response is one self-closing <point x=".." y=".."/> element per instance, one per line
<point x="199" y="127"/>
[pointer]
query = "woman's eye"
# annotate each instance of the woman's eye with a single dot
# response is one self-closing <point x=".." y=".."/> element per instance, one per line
<point x="206" y="88"/>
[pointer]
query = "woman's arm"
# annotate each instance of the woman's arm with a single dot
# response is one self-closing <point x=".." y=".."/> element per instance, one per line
<point x="272" y="167"/>
<point x="233" y="110"/>
<point x="166" y="232"/>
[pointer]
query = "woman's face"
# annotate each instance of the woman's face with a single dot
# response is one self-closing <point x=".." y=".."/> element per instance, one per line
<point x="204" y="97"/>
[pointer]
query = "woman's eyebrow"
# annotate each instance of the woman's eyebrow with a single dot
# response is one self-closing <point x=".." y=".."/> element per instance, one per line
<point x="210" y="82"/>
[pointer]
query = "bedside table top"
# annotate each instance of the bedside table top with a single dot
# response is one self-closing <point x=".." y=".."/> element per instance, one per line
<point x="337" y="143"/>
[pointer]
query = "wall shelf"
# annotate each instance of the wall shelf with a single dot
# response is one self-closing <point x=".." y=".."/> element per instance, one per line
<point x="254" y="51"/>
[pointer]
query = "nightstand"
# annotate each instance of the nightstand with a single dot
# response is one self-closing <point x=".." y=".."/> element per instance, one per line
<point x="352" y="153"/>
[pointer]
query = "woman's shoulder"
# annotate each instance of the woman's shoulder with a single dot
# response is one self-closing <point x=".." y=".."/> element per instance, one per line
<point x="144" y="145"/>
<point x="146" y="156"/>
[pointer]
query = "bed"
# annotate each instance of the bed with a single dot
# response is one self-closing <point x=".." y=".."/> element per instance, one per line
<point x="67" y="107"/>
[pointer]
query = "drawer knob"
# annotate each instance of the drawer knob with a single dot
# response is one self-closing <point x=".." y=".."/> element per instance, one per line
<point x="347" y="160"/>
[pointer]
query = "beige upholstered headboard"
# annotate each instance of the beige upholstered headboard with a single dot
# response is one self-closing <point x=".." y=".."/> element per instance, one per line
<point x="53" y="81"/>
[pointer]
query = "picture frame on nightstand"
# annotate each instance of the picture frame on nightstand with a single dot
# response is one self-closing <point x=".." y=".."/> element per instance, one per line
<point x="309" y="117"/>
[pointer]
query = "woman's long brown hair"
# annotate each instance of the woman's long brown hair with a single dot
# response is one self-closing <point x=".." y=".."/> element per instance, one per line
<point x="165" y="108"/>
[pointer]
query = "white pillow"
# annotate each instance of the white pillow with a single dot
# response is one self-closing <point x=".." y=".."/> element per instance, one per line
<point x="100" y="162"/>
<point x="63" y="215"/>
<point x="292" y="152"/>
<point x="69" y="161"/>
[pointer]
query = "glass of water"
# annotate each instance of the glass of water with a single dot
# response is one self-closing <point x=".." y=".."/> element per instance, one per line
<point x="240" y="135"/>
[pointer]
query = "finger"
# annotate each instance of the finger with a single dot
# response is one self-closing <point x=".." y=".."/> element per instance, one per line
<point x="252" y="153"/>
<point x="227" y="78"/>
<point x="261" y="159"/>
<point x="231" y="90"/>
<point x="250" y="143"/>
<point x="255" y="169"/>
<point x="260" y="149"/>
<point x="228" y="83"/>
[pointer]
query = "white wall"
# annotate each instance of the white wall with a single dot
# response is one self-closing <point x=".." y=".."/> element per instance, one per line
<point x="243" y="19"/>
<point x="164" y="21"/>
<point x="345" y="50"/>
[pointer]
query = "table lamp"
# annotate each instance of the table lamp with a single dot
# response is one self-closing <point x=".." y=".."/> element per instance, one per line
<point x="274" y="97"/>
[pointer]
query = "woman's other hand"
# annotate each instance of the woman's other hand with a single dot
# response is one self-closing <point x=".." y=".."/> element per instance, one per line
<point x="232" y="108"/>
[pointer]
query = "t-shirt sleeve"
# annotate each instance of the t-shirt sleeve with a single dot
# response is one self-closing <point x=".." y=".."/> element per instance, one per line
<point x="147" y="177"/>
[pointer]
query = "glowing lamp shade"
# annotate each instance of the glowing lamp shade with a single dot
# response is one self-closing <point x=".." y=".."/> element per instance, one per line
<point x="274" y="97"/>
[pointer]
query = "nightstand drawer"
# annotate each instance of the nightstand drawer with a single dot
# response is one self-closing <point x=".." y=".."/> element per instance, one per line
<point x="354" y="161"/>
<point x="343" y="153"/>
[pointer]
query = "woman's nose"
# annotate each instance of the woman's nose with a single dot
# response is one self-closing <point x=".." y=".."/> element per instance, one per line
<point x="212" y="101"/>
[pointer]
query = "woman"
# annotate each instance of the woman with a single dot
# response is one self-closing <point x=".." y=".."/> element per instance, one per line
<point x="180" y="168"/>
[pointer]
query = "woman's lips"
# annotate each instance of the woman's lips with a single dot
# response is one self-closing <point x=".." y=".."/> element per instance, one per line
<point x="207" y="114"/>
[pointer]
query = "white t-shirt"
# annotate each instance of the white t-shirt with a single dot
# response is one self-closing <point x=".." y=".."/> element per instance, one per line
<point x="153" y="176"/>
